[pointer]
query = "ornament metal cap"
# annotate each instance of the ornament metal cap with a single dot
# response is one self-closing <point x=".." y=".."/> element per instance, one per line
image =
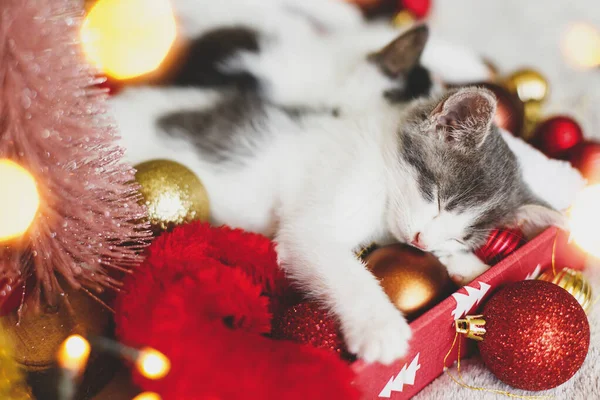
<point x="472" y="326"/>
<point x="573" y="282"/>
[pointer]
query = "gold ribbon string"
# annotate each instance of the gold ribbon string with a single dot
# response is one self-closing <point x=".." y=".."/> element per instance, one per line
<point x="459" y="379"/>
<point x="554" y="253"/>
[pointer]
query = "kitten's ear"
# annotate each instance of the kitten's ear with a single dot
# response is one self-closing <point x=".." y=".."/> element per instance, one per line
<point x="533" y="219"/>
<point x="465" y="117"/>
<point x="402" y="54"/>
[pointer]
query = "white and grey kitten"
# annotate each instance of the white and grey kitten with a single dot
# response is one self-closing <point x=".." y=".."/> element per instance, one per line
<point x="438" y="176"/>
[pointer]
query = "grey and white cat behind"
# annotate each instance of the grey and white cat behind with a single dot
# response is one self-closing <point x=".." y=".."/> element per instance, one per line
<point x="434" y="173"/>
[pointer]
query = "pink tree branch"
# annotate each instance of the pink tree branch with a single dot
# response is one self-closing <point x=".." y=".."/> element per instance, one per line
<point x="53" y="122"/>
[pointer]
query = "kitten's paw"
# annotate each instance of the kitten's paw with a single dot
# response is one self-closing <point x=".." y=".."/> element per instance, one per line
<point x="381" y="336"/>
<point x="464" y="267"/>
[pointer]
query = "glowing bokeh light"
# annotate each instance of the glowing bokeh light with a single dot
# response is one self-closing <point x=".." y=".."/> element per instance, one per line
<point x="153" y="364"/>
<point x="128" y="38"/>
<point x="73" y="353"/>
<point x="19" y="201"/>
<point x="585" y="220"/>
<point x="581" y="45"/>
<point x="148" y="396"/>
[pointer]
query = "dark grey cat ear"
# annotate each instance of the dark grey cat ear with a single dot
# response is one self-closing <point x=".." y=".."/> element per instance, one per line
<point x="465" y="117"/>
<point x="533" y="219"/>
<point x="402" y="54"/>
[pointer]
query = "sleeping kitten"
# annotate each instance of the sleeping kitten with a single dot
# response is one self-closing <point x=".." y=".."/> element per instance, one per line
<point x="437" y="176"/>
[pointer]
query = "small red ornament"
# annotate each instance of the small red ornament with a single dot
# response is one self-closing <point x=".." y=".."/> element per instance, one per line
<point x="556" y="136"/>
<point x="537" y="335"/>
<point x="586" y="158"/>
<point x="419" y="8"/>
<point x="500" y="243"/>
<point x="308" y="323"/>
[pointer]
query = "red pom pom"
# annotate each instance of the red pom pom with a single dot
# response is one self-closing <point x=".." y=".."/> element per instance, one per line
<point x="586" y="158"/>
<point x="500" y="243"/>
<point x="308" y="323"/>
<point x="419" y="8"/>
<point x="201" y="297"/>
<point x="556" y="136"/>
<point x="537" y="335"/>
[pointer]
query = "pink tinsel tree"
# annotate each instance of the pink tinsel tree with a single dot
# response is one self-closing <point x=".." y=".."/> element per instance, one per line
<point x="53" y="123"/>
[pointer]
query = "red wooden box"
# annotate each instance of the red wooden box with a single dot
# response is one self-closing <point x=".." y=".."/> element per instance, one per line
<point x="434" y="332"/>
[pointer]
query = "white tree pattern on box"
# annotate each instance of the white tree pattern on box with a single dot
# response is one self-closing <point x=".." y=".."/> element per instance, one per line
<point x="406" y="376"/>
<point x="466" y="302"/>
<point x="535" y="273"/>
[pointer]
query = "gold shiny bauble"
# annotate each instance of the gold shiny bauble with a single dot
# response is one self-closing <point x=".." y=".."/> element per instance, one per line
<point x="37" y="337"/>
<point x="529" y="85"/>
<point x="413" y="280"/>
<point x="172" y="194"/>
<point x="532" y="89"/>
<point x="573" y="282"/>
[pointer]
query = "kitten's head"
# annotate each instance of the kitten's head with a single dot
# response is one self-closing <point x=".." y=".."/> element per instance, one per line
<point x="456" y="177"/>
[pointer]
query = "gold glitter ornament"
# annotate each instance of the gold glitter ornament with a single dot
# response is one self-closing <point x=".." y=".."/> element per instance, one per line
<point x="532" y="88"/>
<point x="172" y="194"/>
<point x="573" y="282"/>
<point x="12" y="380"/>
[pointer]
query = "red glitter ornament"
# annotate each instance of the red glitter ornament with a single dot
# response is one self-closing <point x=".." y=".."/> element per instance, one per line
<point x="556" y="136"/>
<point x="307" y="323"/>
<point x="500" y="243"/>
<point x="586" y="158"/>
<point x="537" y="335"/>
<point x="419" y="8"/>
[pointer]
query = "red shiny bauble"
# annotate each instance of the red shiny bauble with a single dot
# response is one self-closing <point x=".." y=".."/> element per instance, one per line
<point x="556" y="136"/>
<point x="500" y="243"/>
<point x="537" y="335"/>
<point x="418" y="8"/>
<point x="308" y="323"/>
<point x="586" y="158"/>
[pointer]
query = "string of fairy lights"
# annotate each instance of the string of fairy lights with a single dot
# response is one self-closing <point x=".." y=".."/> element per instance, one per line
<point x="73" y="356"/>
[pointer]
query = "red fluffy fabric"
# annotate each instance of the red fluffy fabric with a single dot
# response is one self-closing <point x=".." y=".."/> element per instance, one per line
<point x="202" y="297"/>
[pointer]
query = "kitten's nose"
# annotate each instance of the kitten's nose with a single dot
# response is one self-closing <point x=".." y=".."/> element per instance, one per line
<point x="417" y="242"/>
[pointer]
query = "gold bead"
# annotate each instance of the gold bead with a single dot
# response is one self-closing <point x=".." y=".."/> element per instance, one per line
<point x="573" y="282"/>
<point x="172" y="194"/>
